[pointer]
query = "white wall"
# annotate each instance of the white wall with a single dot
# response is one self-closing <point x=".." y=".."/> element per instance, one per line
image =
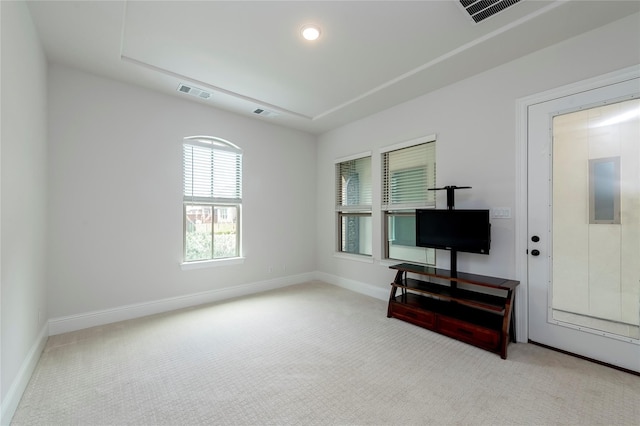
<point x="23" y="203"/>
<point x="475" y="123"/>
<point x="115" y="180"/>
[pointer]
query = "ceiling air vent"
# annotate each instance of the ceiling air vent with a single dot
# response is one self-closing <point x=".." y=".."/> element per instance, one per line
<point x="265" y="113"/>
<point x="193" y="91"/>
<point x="479" y="10"/>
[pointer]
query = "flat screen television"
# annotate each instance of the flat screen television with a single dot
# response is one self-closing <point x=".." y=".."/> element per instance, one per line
<point x="460" y="230"/>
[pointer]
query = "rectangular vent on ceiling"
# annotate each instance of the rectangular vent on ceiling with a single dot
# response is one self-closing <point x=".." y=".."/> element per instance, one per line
<point x="194" y="91"/>
<point x="479" y="10"/>
<point x="265" y="113"/>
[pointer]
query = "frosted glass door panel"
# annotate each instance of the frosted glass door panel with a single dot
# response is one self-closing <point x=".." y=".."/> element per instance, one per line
<point x="596" y="219"/>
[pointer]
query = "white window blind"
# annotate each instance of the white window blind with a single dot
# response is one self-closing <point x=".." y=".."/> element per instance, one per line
<point x="212" y="171"/>
<point x="407" y="173"/>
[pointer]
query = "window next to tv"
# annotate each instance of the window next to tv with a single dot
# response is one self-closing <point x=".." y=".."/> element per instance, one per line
<point x="455" y="230"/>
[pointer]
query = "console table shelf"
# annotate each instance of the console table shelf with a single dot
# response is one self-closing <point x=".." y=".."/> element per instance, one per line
<point x="456" y="305"/>
<point x="465" y="297"/>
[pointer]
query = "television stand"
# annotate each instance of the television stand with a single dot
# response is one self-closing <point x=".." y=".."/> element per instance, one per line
<point x="456" y="305"/>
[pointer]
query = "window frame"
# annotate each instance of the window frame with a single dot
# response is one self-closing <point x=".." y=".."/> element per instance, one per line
<point x="357" y="210"/>
<point x="614" y="190"/>
<point x="213" y="206"/>
<point x="390" y="209"/>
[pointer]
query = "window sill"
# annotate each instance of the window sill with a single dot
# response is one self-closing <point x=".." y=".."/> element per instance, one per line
<point x="358" y="257"/>
<point x="214" y="263"/>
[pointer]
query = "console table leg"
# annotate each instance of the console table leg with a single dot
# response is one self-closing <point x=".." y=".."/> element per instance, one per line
<point x="513" y="323"/>
<point x="391" y="297"/>
<point x="507" y="325"/>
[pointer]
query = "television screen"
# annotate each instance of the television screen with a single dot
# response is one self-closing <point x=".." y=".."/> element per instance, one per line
<point x="460" y="230"/>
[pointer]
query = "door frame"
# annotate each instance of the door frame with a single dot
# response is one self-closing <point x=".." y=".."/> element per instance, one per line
<point x="521" y="206"/>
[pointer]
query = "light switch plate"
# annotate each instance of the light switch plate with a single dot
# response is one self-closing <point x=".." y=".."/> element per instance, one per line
<point x="501" y="213"/>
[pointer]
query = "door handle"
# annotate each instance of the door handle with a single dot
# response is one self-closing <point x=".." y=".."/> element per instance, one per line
<point x="535" y="252"/>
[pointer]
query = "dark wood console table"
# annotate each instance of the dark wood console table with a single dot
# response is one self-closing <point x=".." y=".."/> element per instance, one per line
<point x="456" y="305"/>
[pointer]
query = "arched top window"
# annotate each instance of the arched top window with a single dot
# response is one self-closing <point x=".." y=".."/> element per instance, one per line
<point x="216" y="143"/>
<point x="212" y="183"/>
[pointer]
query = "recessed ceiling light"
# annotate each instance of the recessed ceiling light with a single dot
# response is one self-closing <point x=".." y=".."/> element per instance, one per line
<point x="310" y="32"/>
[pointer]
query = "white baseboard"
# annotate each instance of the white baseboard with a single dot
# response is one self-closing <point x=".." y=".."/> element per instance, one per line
<point x="14" y="394"/>
<point x="353" y="285"/>
<point x="106" y="316"/>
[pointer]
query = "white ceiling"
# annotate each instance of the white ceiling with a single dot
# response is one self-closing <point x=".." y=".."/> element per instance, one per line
<point x="249" y="54"/>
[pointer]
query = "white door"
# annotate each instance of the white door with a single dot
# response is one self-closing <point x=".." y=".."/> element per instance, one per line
<point x="584" y="223"/>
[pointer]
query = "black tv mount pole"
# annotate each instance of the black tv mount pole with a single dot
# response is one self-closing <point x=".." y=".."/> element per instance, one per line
<point x="451" y="206"/>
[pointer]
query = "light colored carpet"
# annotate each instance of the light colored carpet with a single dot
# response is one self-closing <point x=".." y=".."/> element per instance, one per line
<point x="310" y="354"/>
